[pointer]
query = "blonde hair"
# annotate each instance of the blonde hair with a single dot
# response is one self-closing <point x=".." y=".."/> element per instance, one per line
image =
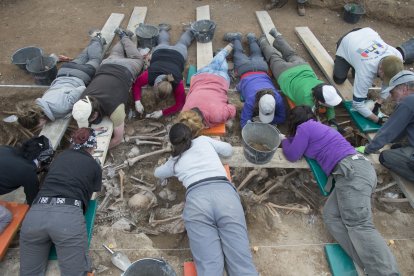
<point x="29" y="114"/>
<point x="164" y="87"/>
<point x="193" y="120"/>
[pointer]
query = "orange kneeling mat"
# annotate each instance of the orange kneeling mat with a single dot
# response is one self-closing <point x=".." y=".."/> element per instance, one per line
<point x="290" y="103"/>
<point x="18" y="211"/>
<point x="218" y="130"/>
<point x="190" y="269"/>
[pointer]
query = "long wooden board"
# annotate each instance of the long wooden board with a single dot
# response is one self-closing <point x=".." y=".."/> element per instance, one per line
<point x="266" y="23"/>
<point x="55" y="130"/>
<point x="406" y="187"/>
<point x="204" y="50"/>
<point x="138" y="16"/>
<point x="278" y="161"/>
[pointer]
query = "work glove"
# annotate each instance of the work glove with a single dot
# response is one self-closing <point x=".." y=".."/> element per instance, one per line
<point x="361" y="149"/>
<point x="155" y="115"/>
<point x="139" y="107"/>
<point x="282" y="136"/>
<point x="376" y="108"/>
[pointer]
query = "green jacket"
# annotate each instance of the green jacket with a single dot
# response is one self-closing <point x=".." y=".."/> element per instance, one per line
<point x="297" y="83"/>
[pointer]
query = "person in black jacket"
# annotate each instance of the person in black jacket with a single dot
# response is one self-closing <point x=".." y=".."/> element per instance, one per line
<point x="20" y="166"/>
<point x="57" y="213"/>
<point x="165" y="72"/>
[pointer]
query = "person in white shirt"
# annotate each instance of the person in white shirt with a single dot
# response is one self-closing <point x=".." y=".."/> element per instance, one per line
<point x="213" y="215"/>
<point x="369" y="56"/>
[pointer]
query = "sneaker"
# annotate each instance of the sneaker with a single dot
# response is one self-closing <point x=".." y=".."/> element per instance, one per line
<point x="95" y="33"/>
<point x="187" y="27"/>
<point x="232" y="36"/>
<point x="164" y="26"/>
<point x="271" y="6"/>
<point x="122" y="32"/>
<point x="301" y="9"/>
<point x="251" y="37"/>
<point x="273" y="32"/>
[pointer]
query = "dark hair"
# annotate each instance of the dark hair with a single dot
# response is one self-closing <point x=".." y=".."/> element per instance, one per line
<point x="96" y="107"/>
<point x="260" y="94"/>
<point x="297" y="116"/>
<point x="180" y="137"/>
<point x="81" y="135"/>
<point x="29" y="114"/>
<point x="37" y="148"/>
<point x="317" y="92"/>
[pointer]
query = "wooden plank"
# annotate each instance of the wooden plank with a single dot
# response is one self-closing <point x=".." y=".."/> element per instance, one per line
<point x="104" y="139"/>
<point x="266" y="23"/>
<point x="204" y="50"/>
<point x="138" y="16"/>
<point x="324" y="60"/>
<point x="278" y="161"/>
<point x="55" y="130"/>
<point x="406" y="187"/>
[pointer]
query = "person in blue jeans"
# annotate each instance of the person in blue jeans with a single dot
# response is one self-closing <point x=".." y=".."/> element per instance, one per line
<point x="256" y="87"/>
<point x="213" y="214"/>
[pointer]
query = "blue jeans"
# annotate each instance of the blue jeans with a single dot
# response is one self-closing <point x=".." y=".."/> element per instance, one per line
<point x="215" y="224"/>
<point x="217" y="66"/>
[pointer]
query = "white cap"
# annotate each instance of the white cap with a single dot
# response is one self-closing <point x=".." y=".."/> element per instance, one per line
<point x="82" y="109"/>
<point x="330" y="95"/>
<point x="267" y="105"/>
<point x="402" y="77"/>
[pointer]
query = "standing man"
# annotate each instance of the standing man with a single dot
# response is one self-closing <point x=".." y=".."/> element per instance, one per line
<point x="369" y="56"/>
<point x="108" y="93"/>
<point x="399" y="158"/>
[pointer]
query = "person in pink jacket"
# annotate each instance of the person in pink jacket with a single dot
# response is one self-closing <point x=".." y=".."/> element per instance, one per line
<point x="207" y="104"/>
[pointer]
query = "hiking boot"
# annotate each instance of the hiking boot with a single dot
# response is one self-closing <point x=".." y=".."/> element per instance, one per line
<point x="273" y="32"/>
<point x="164" y="26"/>
<point x="301" y="9"/>
<point x="251" y="37"/>
<point x="271" y="6"/>
<point x="122" y="32"/>
<point x="232" y="36"/>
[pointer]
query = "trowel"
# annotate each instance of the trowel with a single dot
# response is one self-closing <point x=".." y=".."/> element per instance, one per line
<point x="119" y="259"/>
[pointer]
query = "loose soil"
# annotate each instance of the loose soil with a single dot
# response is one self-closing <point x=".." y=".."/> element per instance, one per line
<point x="284" y="243"/>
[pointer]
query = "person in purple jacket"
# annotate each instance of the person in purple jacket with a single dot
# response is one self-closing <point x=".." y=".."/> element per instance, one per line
<point x="347" y="212"/>
<point x="256" y="87"/>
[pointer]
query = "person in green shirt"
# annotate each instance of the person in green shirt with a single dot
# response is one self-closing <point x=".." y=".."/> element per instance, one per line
<point x="297" y="80"/>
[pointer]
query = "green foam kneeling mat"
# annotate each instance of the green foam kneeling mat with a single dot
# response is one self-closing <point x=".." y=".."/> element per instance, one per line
<point x="364" y="125"/>
<point x="339" y="262"/>
<point x="319" y="175"/>
<point x="90" y="215"/>
<point x="191" y="71"/>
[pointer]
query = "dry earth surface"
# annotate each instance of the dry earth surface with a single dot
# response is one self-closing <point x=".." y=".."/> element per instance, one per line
<point x="286" y="244"/>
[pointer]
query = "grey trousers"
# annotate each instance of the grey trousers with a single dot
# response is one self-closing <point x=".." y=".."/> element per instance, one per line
<point x="253" y="63"/>
<point x="347" y="215"/>
<point x="216" y="228"/>
<point x="281" y="56"/>
<point x="400" y="161"/>
<point x="85" y="64"/>
<point x="65" y="227"/>
<point x="125" y="53"/>
<point x="181" y="46"/>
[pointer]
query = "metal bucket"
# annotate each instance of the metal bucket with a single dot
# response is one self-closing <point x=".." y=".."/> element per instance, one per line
<point x="23" y="55"/>
<point x="43" y="69"/>
<point x="150" y="267"/>
<point x="260" y="142"/>
<point x="147" y="36"/>
<point x="203" y="30"/>
<point x="353" y="12"/>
